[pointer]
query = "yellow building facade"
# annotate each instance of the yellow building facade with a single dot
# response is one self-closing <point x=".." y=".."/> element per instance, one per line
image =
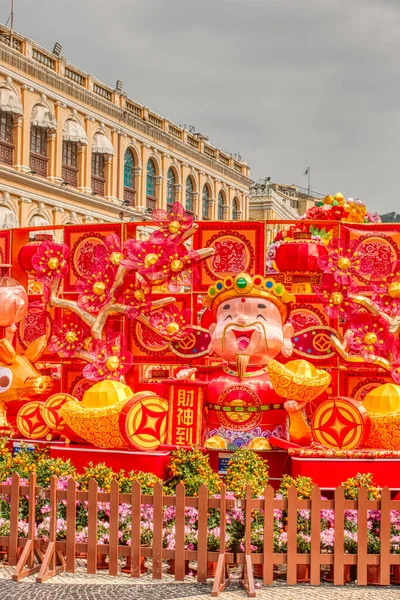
<point x="73" y="150"/>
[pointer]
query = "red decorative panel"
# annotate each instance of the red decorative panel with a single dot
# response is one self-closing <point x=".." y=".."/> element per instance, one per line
<point x="72" y="380"/>
<point x="239" y="247"/>
<point x="379" y="246"/>
<point x="82" y="240"/>
<point x="5" y="246"/>
<point x="37" y="322"/>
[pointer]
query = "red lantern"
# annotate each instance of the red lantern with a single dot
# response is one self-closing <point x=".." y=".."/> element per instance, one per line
<point x="28" y="251"/>
<point x="300" y="255"/>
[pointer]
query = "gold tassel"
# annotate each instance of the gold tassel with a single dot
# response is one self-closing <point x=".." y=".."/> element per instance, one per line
<point x="242" y="360"/>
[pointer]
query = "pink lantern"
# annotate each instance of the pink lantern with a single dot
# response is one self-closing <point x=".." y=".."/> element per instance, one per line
<point x="13" y="301"/>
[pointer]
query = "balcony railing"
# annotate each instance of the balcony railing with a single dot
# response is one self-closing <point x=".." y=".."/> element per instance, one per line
<point x="151" y="203"/>
<point x="6" y="153"/>
<point x="38" y="164"/>
<point x="98" y="185"/>
<point x="60" y="75"/>
<point x="70" y="175"/>
<point x="129" y="196"/>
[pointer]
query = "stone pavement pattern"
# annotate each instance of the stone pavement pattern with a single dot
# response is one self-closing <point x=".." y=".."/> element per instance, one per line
<point x="81" y="586"/>
<point x="169" y="591"/>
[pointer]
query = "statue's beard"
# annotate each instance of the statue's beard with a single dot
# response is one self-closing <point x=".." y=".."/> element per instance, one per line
<point x="242" y="360"/>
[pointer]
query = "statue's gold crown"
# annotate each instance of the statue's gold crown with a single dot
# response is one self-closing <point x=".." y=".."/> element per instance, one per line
<point x="244" y="284"/>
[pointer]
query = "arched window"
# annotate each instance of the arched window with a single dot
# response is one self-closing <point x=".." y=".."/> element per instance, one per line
<point x="189" y="195"/>
<point x="235" y="209"/>
<point x="129" y="178"/>
<point x="38" y="151"/>
<point x="98" y="173"/>
<point x="151" y="200"/>
<point x="220" y="207"/>
<point x="171" y="182"/>
<point x="6" y="138"/>
<point x="70" y="162"/>
<point x="206" y="203"/>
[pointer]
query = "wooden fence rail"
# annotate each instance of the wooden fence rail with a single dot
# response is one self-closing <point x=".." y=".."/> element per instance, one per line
<point x="32" y="555"/>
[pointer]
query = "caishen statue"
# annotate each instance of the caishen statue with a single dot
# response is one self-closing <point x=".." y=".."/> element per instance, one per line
<point x="246" y="396"/>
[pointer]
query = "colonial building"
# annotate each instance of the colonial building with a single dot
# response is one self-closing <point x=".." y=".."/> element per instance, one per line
<point x="278" y="202"/>
<point x="74" y="150"/>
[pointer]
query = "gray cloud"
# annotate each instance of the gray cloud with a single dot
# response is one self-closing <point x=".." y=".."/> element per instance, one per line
<point x="287" y="83"/>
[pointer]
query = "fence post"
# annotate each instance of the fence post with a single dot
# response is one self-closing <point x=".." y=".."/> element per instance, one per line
<point x="202" y="535"/>
<point x="385" y="537"/>
<point x="14" y="514"/>
<point x="291" y="577"/>
<point x="113" y="535"/>
<point x="362" y="548"/>
<point x="71" y="525"/>
<point x="247" y="580"/>
<point x="268" y="549"/>
<point x="92" y="527"/>
<point x="157" y="531"/>
<point x="221" y="576"/>
<point x="180" y="553"/>
<point x="338" y="544"/>
<point x="136" y="511"/>
<point x="315" y="570"/>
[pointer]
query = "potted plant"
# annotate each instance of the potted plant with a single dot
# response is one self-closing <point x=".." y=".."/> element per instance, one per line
<point x="246" y="468"/>
<point x="192" y="468"/>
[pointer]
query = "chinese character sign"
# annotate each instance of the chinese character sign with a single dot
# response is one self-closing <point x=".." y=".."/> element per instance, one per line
<point x="186" y="409"/>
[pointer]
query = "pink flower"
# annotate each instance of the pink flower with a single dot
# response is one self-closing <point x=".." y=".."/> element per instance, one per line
<point x="336" y="298"/>
<point x="50" y="261"/>
<point x="68" y="336"/>
<point x="180" y="270"/>
<point x="146" y="258"/>
<point x="387" y="290"/>
<point x="110" y="359"/>
<point x="110" y="253"/>
<point x="171" y="323"/>
<point x="94" y="289"/>
<point x="342" y="260"/>
<point x="173" y="225"/>
<point x="369" y="336"/>
<point x="373" y="217"/>
<point x="137" y="296"/>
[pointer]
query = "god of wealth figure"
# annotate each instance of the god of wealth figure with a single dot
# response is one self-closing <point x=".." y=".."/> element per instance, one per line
<point x="245" y="398"/>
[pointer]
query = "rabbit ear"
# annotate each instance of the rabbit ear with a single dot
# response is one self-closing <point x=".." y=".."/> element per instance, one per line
<point x="36" y="349"/>
<point x="7" y="352"/>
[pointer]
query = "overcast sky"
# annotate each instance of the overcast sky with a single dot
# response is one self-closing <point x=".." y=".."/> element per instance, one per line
<point x="286" y="83"/>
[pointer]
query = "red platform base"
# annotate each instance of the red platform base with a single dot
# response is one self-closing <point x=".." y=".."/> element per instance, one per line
<point x="129" y="460"/>
<point x="328" y="473"/>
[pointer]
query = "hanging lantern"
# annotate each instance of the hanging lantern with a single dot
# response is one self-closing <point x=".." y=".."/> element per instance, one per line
<point x="300" y="255"/>
<point x="13" y="301"/>
<point x="28" y="251"/>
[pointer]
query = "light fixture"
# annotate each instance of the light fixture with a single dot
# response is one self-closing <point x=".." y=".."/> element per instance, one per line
<point x="65" y="183"/>
<point x="32" y="172"/>
<point x="57" y="49"/>
<point x="121" y="216"/>
<point x="118" y="85"/>
<point x="94" y="194"/>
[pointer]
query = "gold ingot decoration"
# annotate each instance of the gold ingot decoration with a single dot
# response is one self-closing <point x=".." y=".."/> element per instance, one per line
<point x="383" y="406"/>
<point x="216" y="442"/>
<point x="259" y="443"/>
<point x="298" y="380"/>
<point x="96" y="418"/>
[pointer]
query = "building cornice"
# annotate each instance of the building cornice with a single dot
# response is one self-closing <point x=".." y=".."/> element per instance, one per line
<point x="88" y="98"/>
<point x="44" y="186"/>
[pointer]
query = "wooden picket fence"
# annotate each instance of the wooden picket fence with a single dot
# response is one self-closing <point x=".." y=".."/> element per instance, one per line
<point x="47" y="559"/>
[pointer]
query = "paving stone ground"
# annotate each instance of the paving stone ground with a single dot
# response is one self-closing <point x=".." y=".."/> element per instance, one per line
<point x="80" y="586"/>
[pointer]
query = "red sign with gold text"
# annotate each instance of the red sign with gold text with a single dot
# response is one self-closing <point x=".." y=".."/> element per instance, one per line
<point x="186" y="413"/>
